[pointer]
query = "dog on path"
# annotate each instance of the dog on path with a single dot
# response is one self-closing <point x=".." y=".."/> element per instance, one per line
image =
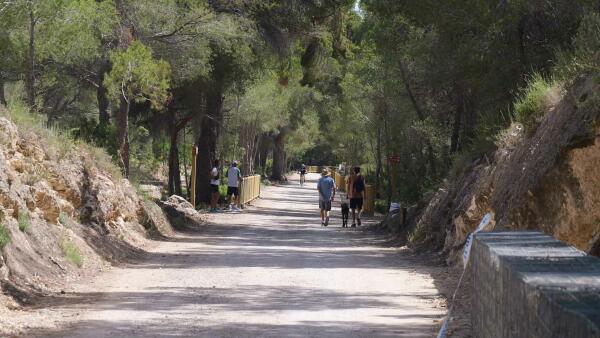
<point x="345" y="213"/>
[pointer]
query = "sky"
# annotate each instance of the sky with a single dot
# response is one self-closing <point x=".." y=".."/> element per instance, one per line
<point x="357" y="8"/>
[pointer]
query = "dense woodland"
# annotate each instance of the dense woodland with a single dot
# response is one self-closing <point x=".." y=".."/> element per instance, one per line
<point x="276" y="83"/>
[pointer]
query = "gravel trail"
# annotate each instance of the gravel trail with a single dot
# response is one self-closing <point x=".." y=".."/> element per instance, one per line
<point x="270" y="271"/>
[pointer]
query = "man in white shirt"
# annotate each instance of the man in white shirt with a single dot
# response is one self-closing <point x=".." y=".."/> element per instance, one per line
<point x="233" y="178"/>
<point x="214" y="186"/>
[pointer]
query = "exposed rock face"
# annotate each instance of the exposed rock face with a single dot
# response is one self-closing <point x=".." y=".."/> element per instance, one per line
<point x="180" y="212"/>
<point x="65" y="199"/>
<point x="548" y="181"/>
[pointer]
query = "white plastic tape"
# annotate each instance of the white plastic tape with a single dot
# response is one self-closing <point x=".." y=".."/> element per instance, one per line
<point x="469" y="243"/>
<point x="467" y="250"/>
<point x="444" y="329"/>
<point x="466" y="254"/>
<point x="484" y="222"/>
<point x="394" y="207"/>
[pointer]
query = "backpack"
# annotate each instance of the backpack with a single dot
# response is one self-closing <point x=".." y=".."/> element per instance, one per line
<point x="359" y="184"/>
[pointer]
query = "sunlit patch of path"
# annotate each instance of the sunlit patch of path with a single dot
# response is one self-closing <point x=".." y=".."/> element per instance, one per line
<point x="270" y="271"/>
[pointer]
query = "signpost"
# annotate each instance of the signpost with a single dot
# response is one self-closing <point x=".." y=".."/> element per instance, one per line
<point x="193" y="193"/>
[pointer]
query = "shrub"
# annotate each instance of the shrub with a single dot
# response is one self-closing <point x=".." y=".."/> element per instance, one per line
<point x="584" y="58"/>
<point x="381" y="207"/>
<point x="71" y="252"/>
<point x="58" y="144"/>
<point x="418" y="235"/>
<point x="4" y="236"/>
<point x="531" y="105"/>
<point x="23" y="220"/>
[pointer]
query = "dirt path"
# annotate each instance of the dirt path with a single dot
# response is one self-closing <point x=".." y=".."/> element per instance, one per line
<point x="270" y="271"/>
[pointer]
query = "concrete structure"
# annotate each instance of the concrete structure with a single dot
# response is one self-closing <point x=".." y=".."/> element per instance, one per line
<point x="528" y="284"/>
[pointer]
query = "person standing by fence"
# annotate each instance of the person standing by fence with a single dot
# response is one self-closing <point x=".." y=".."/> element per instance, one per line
<point x="215" y="181"/>
<point x="234" y="176"/>
<point x="326" y="188"/>
<point x="356" y="193"/>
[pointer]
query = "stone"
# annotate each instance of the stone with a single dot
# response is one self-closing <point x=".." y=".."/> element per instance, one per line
<point x="530" y="285"/>
<point x="9" y="135"/>
<point x="47" y="201"/>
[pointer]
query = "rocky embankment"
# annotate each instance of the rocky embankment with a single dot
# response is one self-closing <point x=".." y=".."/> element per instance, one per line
<point x="547" y="180"/>
<point x="65" y="213"/>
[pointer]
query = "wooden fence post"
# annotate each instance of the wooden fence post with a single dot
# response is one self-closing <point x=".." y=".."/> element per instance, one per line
<point x="194" y="156"/>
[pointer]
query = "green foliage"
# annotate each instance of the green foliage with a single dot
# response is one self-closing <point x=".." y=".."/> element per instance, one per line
<point x="136" y="75"/>
<point x="381" y="206"/>
<point x="71" y="252"/>
<point x="23" y="220"/>
<point x="584" y="59"/>
<point x="4" y="236"/>
<point x="533" y="102"/>
<point x="418" y="235"/>
<point x="75" y="33"/>
<point x="97" y="134"/>
<point x="58" y="143"/>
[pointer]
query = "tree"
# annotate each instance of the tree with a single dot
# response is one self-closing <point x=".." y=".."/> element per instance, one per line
<point x="135" y="76"/>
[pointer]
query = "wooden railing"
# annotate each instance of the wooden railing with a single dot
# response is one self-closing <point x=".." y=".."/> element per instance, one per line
<point x="369" y="202"/>
<point x="249" y="189"/>
<point x="340" y="181"/>
<point x="312" y="169"/>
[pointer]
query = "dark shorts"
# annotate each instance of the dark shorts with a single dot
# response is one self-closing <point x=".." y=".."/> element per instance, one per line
<point x="302" y="172"/>
<point x="325" y="205"/>
<point x="232" y="191"/>
<point x="356" y="203"/>
<point x="214" y="188"/>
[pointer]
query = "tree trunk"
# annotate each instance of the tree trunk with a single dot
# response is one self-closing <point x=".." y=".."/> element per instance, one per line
<point x="278" y="172"/>
<point x="2" y="94"/>
<point x="470" y="122"/>
<point x="174" y="171"/>
<point x="420" y="115"/>
<point x="125" y="39"/>
<point x="264" y="146"/>
<point x="455" y="139"/>
<point x="123" y="135"/>
<point x="30" y="69"/>
<point x="378" y="163"/>
<point x="207" y="144"/>
<point x="101" y="96"/>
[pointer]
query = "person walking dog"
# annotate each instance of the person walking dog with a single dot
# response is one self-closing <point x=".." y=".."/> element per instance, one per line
<point x="356" y="194"/>
<point x="326" y="187"/>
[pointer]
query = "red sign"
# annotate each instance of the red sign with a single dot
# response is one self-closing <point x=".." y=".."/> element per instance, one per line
<point x="394" y="159"/>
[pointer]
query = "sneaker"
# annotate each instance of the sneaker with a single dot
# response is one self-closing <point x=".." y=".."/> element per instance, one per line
<point x="327" y="221"/>
<point x="359" y="222"/>
<point x="354" y="225"/>
<point x="322" y="223"/>
<point x="235" y="208"/>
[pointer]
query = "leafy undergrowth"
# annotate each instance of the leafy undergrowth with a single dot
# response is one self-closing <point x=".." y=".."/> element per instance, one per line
<point x="58" y="143"/>
<point x="540" y="95"/>
<point x="71" y="252"/>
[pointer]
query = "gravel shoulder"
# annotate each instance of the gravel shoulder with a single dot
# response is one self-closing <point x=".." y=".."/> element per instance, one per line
<point x="269" y="271"/>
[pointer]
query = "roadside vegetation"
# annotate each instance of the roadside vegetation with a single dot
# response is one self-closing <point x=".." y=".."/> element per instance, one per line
<point x="4" y="236"/>
<point x="23" y="220"/>
<point x="274" y="84"/>
<point x="71" y="252"/>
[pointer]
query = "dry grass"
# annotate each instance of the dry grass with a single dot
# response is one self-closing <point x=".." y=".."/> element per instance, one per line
<point x="4" y="236"/>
